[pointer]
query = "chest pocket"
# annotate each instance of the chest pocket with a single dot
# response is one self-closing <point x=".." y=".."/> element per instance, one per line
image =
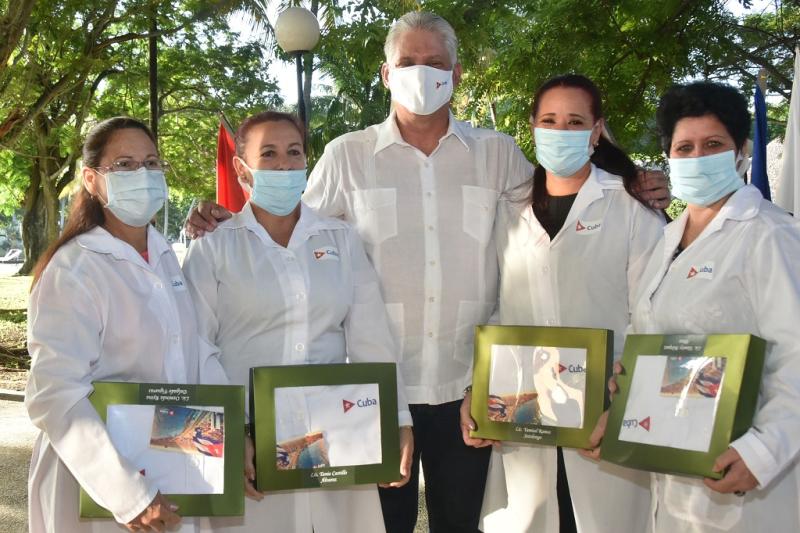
<point x="375" y="214"/>
<point x="479" y="206"/>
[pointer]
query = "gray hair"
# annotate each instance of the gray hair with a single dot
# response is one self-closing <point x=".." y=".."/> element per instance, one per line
<point x="422" y="20"/>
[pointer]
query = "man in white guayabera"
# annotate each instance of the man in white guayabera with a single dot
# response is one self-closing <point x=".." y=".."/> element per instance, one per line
<point x="421" y="188"/>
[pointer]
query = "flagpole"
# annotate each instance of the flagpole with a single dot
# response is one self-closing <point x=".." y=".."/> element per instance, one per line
<point x="787" y="194"/>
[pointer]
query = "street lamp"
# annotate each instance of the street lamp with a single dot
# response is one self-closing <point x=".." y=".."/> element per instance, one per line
<point x="297" y="32"/>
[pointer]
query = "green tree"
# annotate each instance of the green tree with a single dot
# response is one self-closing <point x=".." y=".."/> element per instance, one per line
<point x="79" y="60"/>
<point x="204" y="71"/>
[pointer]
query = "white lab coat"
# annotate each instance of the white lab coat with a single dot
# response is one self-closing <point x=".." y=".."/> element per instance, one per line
<point x="99" y="312"/>
<point x="752" y="249"/>
<point x="315" y="301"/>
<point x="584" y="277"/>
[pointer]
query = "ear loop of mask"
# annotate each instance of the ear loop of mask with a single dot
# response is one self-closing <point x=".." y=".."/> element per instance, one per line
<point x="242" y="183"/>
<point x="96" y="194"/>
<point x="592" y="146"/>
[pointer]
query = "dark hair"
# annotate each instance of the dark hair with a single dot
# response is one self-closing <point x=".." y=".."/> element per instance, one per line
<point x="86" y="211"/>
<point x="702" y="98"/>
<point x="260" y="118"/>
<point x="607" y="155"/>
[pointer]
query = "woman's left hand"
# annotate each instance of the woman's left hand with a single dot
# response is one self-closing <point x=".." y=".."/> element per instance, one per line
<point x="738" y="477"/>
<point x="406" y="456"/>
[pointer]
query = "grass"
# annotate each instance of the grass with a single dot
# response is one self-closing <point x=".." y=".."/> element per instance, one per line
<point x="13" y="321"/>
<point x="14" y="291"/>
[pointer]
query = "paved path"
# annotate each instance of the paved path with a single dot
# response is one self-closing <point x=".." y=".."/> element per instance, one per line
<point x="16" y="440"/>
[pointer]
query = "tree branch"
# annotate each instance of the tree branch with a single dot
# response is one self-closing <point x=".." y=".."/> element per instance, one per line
<point x="12" y="25"/>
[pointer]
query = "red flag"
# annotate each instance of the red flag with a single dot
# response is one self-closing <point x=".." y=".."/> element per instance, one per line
<point x="229" y="193"/>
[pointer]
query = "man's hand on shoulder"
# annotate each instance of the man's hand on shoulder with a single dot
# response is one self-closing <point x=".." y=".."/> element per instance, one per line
<point x="205" y="218"/>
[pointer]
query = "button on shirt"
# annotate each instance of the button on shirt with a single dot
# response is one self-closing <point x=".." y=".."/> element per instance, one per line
<point x="741" y="275"/>
<point x="426" y="222"/>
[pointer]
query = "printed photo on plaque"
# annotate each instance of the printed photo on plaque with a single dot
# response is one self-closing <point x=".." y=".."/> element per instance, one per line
<point x="187" y="441"/>
<point x="683" y="399"/>
<point x="324" y="426"/>
<point x="543" y="385"/>
<point x="181" y="448"/>
<point x="673" y="401"/>
<point x="327" y="426"/>
<point x="540" y="384"/>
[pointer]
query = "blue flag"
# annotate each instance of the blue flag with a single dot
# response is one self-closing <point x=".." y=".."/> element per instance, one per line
<point x="758" y="168"/>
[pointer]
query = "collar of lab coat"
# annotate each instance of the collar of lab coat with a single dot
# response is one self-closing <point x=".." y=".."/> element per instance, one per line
<point x="592" y="190"/>
<point x="99" y="240"/>
<point x="389" y="133"/>
<point x="744" y="204"/>
<point x="309" y="224"/>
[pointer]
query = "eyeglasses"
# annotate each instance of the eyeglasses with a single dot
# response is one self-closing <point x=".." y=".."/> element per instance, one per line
<point x="126" y="165"/>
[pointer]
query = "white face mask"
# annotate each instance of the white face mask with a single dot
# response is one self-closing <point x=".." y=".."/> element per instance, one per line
<point x="134" y="196"/>
<point x="421" y="89"/>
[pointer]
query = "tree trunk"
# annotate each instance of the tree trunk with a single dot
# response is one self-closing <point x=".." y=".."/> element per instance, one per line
<point x="40" y="222"/>
<point x="39" y="226"/>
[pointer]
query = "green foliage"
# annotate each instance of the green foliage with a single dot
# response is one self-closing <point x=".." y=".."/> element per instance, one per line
<point x="202" y="71"/>
<point x="675" y="208"/>
<point x="633" y="50"/>
<point x="351" y="54"/>
<point x="97" y="50"/>
<point x="14" y="171"/>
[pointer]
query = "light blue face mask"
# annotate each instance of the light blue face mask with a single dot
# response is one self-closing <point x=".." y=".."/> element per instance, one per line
<point x="704" y="180"/>
<point x="277" y="191"/>
<point x="562" y="152"/>
<point x="135" y="196"/>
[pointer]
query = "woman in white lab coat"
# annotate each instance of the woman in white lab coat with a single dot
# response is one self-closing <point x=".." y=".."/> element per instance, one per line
<point x="278" y="284"/>
<point x="108" y="303"/>
<point x="729" y="264"/>
<point x="571" y="245"/>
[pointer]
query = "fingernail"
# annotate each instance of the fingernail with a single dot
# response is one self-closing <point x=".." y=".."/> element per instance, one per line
<point x="173" y="507"/>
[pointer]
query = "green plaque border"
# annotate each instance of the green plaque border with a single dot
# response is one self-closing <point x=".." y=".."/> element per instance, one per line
<point x="599" y="345"/>
<point x="735" y="410"/>
<point x="264" y="381"/>
<point x="230" y="397"/>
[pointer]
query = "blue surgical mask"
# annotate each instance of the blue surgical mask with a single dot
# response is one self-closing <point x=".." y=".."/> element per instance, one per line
<point x="135" y="196"/>
<point x="277" y="191"/>
<point x="704" y="180"/>
<point x="562" y="152"/>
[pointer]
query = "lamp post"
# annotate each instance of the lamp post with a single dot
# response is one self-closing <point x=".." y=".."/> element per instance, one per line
<point x="297" y="32"/>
